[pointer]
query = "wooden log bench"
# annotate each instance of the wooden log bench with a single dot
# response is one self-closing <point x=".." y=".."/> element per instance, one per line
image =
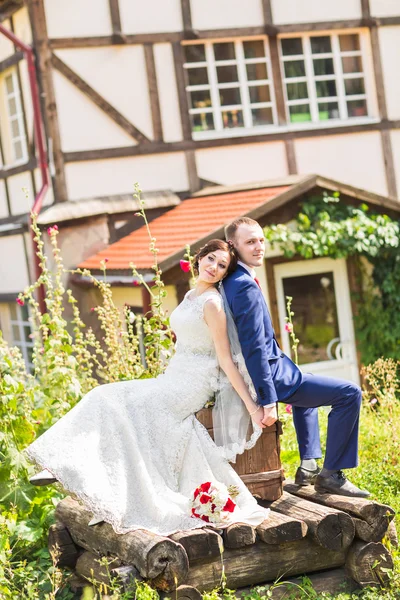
<point x="260" y="467"/>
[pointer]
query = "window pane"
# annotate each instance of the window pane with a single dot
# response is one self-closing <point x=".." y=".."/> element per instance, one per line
<point x="229" y="96"/>
<point x="15" y="128"/>
<point x="259" y="93"/>
<point x="9" y="84"/>
<point x="227" y="74"/>
<point x="349" y="43"/>
<point x="225" y="51"/>
<point x="198" y="76"/>
<point x="315" y="314"/>
<point x="321" y="44"/>
<point x="27" y="333"/>
<point x="357" y="108"/>
<point x="254" y="49"/>
<point x="294" y="68"/>
<point x="328" y="110"/>
<point x="15" y="333"/>
<point x="300" y="113"/>
<point x="195" y="53"/>
<point x="262" y="116"/>
<point x="354" y="86"/>
<point x="258" y="71"/>
<point x="202" y="122"/>
<point x="352" y="64"/>
<point x="325" y="88"/>
<point x="18" y="150"/>
<point x="297" y="91"/>
<point x="200" y="99"/>
<point x="232" y="118"/>
<point x="323" y="66"/>
<point x="12" y="106"/>
<point x="292" y="46"/>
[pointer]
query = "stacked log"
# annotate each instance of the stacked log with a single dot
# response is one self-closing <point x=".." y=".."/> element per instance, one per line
<point x="371" y="519"/>
<point x="305" y="533"/>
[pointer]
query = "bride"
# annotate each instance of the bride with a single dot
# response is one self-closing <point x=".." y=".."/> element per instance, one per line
<point x="133" y="451"/>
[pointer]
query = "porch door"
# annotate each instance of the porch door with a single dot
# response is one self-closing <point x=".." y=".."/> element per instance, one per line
<point x="322" y="316"/>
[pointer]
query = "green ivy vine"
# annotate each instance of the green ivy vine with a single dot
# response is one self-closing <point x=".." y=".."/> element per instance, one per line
<point x="326" y="227"/>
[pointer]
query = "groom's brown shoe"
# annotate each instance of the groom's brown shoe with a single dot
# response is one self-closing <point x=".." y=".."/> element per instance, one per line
<point x="337" y="483"/>
<point x="305" y="477"/>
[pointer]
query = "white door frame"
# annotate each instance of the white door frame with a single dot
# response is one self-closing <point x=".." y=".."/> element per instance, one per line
<point x="346" y="356"/>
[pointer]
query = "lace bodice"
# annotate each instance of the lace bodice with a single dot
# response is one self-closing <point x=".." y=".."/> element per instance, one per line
<point x="192" y="332"/>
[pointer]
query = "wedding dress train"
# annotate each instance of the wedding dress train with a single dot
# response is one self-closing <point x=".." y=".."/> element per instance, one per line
<point x="133" y="451"/>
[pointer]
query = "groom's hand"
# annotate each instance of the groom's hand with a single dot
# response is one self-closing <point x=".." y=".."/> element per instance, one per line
<point x="270" y="414"/>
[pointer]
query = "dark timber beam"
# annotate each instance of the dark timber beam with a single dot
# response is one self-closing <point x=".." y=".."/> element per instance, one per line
<point x="28" y="166"/>
<point x="186" y="15"/>
<point x="46" y="86"/>
<point x="183" y="146"/>
<point x="153" y="92"/>
<point x="95" y="97"/>
<point x="179" y="59"/>
<point x="178" y="36"/>
<point x="11" y="61"/>
<point x="117" y="37"/>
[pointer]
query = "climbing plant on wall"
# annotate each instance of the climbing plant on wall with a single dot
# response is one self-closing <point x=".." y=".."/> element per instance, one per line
<point x="326" y="227"/>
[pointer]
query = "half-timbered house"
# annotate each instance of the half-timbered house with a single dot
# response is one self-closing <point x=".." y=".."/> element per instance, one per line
<point x="181" y="96"/>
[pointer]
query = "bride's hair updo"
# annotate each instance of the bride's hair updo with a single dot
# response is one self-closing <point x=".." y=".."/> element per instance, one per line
<point x="212" y="246"/>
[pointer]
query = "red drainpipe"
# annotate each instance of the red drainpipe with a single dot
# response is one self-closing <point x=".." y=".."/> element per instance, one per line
<point x="40" y="145"/>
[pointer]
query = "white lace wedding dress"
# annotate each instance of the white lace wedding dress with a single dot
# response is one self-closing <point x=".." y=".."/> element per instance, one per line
<point x="133" y="451"/>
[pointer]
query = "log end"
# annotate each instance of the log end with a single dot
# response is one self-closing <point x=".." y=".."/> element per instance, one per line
<point x="368" y="563"/>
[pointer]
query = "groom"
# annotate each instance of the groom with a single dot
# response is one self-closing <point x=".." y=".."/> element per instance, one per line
<point x="277" y="379"/>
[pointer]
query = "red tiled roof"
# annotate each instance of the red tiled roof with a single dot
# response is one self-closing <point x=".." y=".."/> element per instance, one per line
<point x="189" y="222"/>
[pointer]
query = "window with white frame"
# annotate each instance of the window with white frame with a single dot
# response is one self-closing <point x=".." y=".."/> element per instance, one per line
<point x="16" y="118"/>
<point x="324" y="77"/>
<point x="21" y="331"/>
<point x="229" y="86"/>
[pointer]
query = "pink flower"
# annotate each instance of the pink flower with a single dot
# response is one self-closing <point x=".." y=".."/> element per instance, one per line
<point x="52" y="229"/>
<point x="106" y="260"/>
<point x="289" y="327"/>
<point x="20" y="301"/>
<point x="135" y="282"/>
<point x="92" y="309"/>
<point x="185" y="266"/>
<point x="288" y="409"/>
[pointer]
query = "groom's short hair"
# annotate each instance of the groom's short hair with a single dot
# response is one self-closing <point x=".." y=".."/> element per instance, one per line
<point x="231" y="228"/>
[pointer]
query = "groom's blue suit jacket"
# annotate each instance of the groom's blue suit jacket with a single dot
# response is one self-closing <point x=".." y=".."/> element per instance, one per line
<point x="274" y="375"/>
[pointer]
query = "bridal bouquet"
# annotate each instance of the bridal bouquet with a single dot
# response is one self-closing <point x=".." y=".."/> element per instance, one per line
<point x="212" y="502"/>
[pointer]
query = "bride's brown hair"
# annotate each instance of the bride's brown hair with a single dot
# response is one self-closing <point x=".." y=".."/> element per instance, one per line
<point x="212" y="246"/>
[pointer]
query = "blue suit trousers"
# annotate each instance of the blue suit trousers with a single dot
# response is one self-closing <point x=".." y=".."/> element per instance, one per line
<point x="342" y="439"/>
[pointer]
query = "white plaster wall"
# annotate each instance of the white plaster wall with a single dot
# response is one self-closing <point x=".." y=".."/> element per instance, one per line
<point x="168" y="93"/>
<point x="389" y="38"/>
<point x="356" y="159"/>
<point x="77" y="18"/>
<point x="118" y="176"/>
<point x="242" y="164"/>
<point x="6" y="47"/>
<point x="118" y="74"/>
<point x="216" y="14"/>
<point x="13" y="272"/>
<point x="83" y="126"/>
<point x="3" y="200"/>
<point x="20" y="204"/>
<point x="395" y="138"/>
<point x="22" y="26"/>
<point x="152" y="16"/>
<point x="313" y="11"/>
<point x="385" y="8"/>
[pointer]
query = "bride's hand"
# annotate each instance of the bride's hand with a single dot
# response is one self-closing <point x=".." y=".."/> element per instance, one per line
<point x="258" y="417"/>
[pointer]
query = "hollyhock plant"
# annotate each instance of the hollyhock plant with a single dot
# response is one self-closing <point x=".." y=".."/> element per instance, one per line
<point x="212" y="502"/>
<point x="288" y="327"/>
